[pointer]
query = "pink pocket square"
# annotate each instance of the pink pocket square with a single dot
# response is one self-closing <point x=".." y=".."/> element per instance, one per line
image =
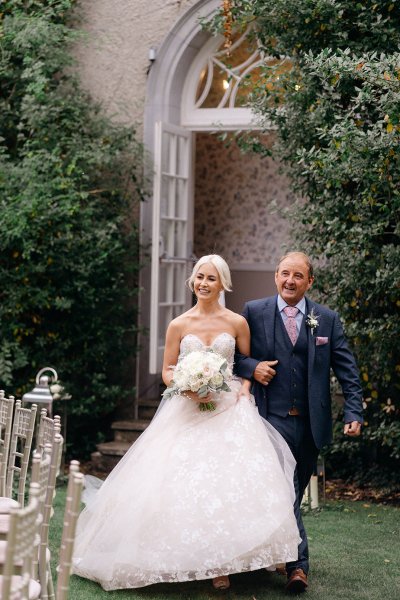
<point x="320" y="341"/>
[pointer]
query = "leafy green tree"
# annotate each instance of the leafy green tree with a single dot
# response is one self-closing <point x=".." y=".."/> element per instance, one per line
<point x="336" y="112"/>
<point x="70" y="185"/>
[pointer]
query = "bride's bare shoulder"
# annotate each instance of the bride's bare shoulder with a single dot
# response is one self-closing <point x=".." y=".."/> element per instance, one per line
<point x="236" y="321"/>
<point x="180" y="323"/>
<point x="234" y="317"/>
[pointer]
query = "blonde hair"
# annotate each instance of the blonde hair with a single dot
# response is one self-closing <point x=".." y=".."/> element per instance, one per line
<point x="220" y="264"/>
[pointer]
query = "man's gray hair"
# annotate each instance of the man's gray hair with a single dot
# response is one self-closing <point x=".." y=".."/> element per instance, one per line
<point x="306" y="258"/>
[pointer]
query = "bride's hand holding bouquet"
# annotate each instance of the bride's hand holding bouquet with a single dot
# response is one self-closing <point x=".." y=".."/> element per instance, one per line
<point x="198" y="375"/>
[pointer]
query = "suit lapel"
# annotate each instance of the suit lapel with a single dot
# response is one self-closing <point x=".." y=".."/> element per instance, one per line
<point x="310" y="338"/>
<point x="269" y="311"/>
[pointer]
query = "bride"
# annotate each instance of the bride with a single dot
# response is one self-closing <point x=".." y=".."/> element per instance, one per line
<point x="201" y="494"/>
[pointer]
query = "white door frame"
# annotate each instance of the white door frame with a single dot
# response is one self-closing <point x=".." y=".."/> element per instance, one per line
<point x="172" y="235"/>
<point x="165" y="91"/>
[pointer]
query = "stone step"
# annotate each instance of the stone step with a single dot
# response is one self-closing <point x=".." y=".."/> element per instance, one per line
<point x="115" y="448"/>
<point x="146" y="412"/>
<point x="131" y="424"/>
<point x="126" y="432"/>
<point x="103" y="462"/>
<point x="129" y="430"/>
<point x="152" y="402"/>
<point x="109" y="454"/>
<point x="148" y="408"/>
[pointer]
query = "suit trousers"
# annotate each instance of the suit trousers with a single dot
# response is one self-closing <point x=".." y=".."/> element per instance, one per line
<point x="296" y="431"/>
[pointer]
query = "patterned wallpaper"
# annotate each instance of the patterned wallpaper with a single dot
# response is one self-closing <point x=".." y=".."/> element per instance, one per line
<point x="233" y="195"/>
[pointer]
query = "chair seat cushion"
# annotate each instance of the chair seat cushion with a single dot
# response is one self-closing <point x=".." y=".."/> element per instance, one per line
<point x="34" y="588"/>
<point x="4" y="524"/>
<point x="7" y="503"/>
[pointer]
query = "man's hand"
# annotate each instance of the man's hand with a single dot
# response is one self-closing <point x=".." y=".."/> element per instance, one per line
<point x="352" y="429"/>
<point x="263" y="373"/>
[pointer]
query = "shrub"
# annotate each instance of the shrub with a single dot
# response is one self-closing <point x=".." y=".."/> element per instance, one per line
<point x="70" y="184"/>
<point x="336" y="112"/>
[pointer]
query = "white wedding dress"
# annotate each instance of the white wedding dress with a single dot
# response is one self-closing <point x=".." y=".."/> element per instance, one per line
<point x="199" y="494"/>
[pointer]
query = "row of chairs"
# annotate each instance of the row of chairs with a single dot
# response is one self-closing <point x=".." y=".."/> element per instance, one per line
<point x="17" y="428"/>
<point x="24" y="530"/>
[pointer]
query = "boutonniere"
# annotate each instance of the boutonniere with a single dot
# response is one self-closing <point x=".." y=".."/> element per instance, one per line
<point x="312" y="321"/>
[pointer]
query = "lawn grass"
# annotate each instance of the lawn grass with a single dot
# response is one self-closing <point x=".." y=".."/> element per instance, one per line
<point x="355" y="555"/>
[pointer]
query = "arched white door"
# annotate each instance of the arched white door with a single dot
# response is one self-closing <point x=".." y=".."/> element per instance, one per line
<point x="202" y="108"/>
<point x="171" y="257"/>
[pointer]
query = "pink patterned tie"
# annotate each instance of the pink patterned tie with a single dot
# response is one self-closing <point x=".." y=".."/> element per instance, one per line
<point x="290" y="323"/>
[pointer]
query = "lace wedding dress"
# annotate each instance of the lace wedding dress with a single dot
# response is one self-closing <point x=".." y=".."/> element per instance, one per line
<point x="200" y="494"/>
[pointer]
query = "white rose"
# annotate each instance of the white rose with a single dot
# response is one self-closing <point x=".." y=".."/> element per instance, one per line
<point x="195" y="385"/>
<point x="217" y="380"/>
<point x="207" y="371"/>
<point x="179" y="379"/>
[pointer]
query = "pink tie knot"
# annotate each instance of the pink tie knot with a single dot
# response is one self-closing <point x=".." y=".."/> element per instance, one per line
<point x="290" y="311"/>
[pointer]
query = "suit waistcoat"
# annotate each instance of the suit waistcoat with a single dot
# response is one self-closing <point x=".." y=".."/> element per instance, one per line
<point x="289" y="386"/>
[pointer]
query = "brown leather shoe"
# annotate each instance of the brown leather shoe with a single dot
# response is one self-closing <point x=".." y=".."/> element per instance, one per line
<point x="297" y="582"/>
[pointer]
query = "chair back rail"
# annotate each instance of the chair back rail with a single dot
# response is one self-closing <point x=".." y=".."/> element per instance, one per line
<point x="22" y="546"/>
<point x="6" y="419"/>
<point x="72" y="510"/>
<point x="20" y="447"/>
<point x="45" y="575"/>
<point x="47" y="429"/>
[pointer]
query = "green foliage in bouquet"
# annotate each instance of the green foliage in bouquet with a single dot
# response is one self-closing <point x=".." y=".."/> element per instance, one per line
<point x="70" y="185"/>
<point x="337" y="116"/>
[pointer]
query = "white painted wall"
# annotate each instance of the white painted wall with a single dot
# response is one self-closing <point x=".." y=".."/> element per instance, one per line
<point x="113" y="62"/>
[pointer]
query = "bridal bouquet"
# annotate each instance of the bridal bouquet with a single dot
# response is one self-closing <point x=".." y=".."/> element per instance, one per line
<point x="201" y="371"/>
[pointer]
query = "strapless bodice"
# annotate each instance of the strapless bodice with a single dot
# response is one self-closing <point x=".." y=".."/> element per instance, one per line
<point x="223" y="344"/>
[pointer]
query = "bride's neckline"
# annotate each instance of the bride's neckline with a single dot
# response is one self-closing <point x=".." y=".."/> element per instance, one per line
<point x="212" y="342"/>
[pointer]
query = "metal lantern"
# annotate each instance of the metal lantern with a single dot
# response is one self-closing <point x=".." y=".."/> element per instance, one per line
<point x="41" y="393"/>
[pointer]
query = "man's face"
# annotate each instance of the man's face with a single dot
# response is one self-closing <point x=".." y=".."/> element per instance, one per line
<point x="292" y="279"/>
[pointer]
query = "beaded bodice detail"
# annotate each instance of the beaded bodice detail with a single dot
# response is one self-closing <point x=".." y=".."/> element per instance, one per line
<point x="223" y="344"/>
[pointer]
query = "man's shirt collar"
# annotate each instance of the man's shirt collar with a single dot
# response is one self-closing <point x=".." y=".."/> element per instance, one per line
<point x="301" y="305"/>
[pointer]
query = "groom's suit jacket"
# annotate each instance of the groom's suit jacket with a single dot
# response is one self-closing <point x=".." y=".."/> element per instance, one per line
<point x="327" y="348"/>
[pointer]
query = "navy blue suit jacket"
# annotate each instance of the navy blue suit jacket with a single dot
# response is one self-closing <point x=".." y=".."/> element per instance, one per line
<point x="335" y="354"/>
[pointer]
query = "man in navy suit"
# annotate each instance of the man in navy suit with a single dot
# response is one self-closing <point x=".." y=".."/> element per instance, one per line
<point x="294" y="344"/>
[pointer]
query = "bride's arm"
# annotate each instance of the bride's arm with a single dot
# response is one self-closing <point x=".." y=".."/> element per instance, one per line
<point x="243" y="345"/>
<point x="171" y="352"/>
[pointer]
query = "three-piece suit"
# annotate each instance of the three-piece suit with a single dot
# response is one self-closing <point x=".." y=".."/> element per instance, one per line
<point x="302" y="385"/>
